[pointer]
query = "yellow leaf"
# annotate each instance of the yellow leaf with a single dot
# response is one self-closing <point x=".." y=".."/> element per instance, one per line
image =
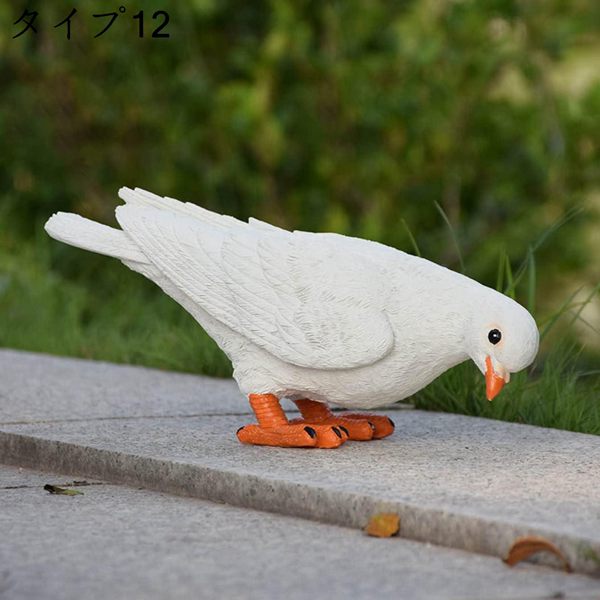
<point x="383" y="525"/>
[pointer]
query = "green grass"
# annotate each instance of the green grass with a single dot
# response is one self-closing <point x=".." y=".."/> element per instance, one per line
<point x="63" y="301"/>
<point x="556" y="393"/>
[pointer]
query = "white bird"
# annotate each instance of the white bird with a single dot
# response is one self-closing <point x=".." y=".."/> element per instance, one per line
<point x="319" y="318"/>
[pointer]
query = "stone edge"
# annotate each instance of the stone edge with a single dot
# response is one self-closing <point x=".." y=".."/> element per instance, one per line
<point x="420" y="523"/>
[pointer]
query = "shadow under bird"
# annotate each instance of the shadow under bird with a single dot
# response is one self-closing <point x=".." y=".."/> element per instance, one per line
<point x="319" y="318"/>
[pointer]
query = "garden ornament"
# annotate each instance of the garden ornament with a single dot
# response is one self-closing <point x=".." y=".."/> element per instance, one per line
<point x="318" y="318"/>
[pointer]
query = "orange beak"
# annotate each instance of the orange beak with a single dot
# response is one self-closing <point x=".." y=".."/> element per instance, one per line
<point x="493" y="382"/>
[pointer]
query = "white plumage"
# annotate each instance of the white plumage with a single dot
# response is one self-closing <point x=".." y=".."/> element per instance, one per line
<point x="302" y="315"/>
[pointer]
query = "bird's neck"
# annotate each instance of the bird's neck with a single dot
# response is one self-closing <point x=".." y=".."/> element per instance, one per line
<point x="434" y="307"/>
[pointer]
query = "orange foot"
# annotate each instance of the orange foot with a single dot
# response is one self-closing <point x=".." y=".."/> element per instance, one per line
<point x="360" y="427"/>
<point x="293" y="436"/>
<point x="383" y="426"/>
<point x="273" y="428"/>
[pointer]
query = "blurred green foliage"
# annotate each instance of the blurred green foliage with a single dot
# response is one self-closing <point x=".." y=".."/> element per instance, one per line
<point x="350" y="116"/>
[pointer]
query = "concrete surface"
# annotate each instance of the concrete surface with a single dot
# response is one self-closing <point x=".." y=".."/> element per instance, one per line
<point x="123" y="543"/>
<point x="457" y="481"/>
<point x="38" y="387"/>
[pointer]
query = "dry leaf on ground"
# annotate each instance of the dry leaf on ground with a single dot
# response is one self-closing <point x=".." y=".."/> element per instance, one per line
<point x="383" y="525"/>
<point x="54" y="489"/>
<point x="524" y="547"/>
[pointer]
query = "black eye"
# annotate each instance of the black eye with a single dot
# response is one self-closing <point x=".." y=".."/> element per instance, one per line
<point x="494" y="336"/>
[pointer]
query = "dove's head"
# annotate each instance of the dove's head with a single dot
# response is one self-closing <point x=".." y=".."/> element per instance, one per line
<point x="502" y="338"/>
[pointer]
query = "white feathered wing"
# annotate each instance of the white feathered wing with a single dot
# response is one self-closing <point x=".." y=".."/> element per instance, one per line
<point x="305" y="299"/>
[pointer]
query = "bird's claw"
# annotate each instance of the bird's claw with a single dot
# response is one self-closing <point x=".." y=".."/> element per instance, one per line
<point x="382" y="425"/>
<point x="294" y="435"/>
<point x="354" y="429"/>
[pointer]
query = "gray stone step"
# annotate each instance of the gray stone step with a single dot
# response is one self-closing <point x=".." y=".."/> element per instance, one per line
<point x="119" y="542"/>
<point x="456" y="481"/>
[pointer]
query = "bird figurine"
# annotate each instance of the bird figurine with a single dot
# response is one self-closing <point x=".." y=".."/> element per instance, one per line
<point x="319" y="318"/>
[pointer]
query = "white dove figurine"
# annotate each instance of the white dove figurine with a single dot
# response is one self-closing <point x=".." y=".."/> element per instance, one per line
<point x="319" y="318"/>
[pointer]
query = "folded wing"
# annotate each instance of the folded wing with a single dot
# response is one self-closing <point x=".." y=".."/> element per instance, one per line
<point x="299" y="296"/>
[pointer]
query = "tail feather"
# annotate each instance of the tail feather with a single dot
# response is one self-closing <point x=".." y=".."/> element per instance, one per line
<point x="89" y="235"/>
<point x="141" y="197"/>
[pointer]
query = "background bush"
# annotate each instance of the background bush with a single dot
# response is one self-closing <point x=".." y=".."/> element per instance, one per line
<point x="350" y="116"/>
